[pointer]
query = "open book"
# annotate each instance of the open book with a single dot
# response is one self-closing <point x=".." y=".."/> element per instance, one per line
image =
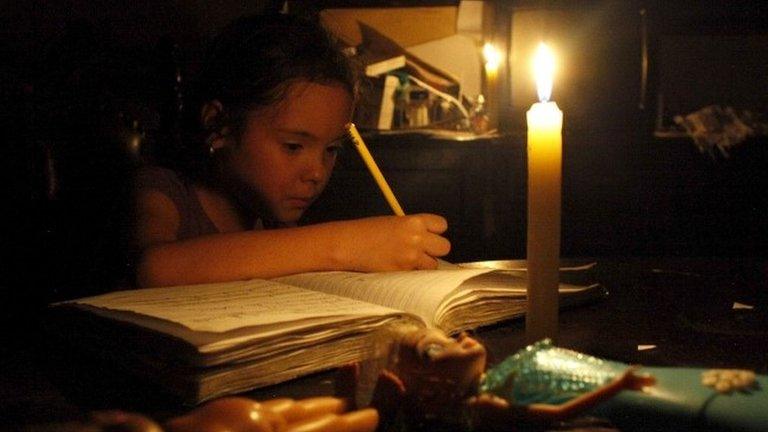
<point x="204" y="341"/>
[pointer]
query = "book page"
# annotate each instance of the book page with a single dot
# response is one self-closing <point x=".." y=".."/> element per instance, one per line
<point x="521" y="265"/>
<point x="418" y="292"/>
<point x="223" y="307"/>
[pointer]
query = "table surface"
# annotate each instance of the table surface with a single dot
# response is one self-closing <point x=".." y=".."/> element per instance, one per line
<point x="697" y="312"/>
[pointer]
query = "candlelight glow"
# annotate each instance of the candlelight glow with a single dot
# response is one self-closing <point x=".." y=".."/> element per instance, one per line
<point x="544" y="71"/>
<point x="492" y="57"/>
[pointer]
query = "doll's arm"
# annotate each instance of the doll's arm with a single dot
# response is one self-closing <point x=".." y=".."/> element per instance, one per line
<point x="489" y="411"/>
<point x="629" y="380"/>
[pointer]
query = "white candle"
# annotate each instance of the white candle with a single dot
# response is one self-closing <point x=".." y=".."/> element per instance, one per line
<point x="545" y="123"/>
<point x="492" y="57"/>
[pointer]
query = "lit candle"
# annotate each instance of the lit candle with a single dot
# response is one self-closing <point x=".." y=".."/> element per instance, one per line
<point x="492" y="57"/>
<point x="545" y="123"/>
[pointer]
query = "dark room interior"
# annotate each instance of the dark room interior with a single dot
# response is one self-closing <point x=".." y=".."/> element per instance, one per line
<point x="664" y="161"/>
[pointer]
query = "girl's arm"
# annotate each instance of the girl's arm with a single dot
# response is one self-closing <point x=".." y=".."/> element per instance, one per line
<point x="369" y="244"/>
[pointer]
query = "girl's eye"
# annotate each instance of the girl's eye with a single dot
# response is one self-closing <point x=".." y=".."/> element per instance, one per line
<point x="292" y="147"/>
<point x="334" y="150"/>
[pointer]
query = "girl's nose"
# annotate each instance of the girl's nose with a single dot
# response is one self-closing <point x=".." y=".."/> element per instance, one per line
<point x="315" y="170"/>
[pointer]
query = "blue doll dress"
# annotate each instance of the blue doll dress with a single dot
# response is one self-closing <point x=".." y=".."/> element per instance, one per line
<point x="543" y="373"/>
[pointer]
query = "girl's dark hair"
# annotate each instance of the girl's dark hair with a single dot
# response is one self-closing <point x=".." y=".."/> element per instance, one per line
<point x="250" y="65"/>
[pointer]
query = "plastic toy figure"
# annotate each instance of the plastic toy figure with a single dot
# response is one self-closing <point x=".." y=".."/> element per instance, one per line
<point x="239" y="414"/>
<point x="435" y="380"/>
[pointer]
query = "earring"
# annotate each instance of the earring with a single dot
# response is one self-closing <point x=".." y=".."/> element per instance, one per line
<point x="214" y="141"/>
<point x="210" y="141"/>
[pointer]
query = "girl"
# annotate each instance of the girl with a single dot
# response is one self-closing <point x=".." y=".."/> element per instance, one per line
<point x="266" y="120"/>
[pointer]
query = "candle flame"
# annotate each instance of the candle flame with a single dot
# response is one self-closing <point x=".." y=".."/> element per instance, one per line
<point x="544" y="71"/>
<point x="492" y="57"/>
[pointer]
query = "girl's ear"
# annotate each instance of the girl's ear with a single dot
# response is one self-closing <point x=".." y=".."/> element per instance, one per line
<point x="211" y="118"/>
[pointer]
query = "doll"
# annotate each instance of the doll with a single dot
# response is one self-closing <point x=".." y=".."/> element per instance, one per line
<point x="437" y="381"/>
<point x="240" y="414"/>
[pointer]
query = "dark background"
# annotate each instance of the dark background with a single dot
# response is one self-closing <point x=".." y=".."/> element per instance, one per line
<point x="90" y="89"/>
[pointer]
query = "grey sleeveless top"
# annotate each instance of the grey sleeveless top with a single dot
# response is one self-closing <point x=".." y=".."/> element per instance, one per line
<point x="193" y="221"/>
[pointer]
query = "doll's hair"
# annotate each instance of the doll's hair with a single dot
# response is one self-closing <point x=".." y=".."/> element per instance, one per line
<point x="250" y="65"/>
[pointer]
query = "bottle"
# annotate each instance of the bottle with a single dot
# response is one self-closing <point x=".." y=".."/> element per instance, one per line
<point x="479" y="116"/>
<point x="418" y="107"/>
<point x="400" y="117"/>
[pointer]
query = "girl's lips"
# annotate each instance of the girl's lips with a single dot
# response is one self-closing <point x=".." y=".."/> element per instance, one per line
<point x="300" y="202"/>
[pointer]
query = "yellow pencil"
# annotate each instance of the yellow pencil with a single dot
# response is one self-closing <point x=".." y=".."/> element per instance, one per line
<point x="374" y="169"/>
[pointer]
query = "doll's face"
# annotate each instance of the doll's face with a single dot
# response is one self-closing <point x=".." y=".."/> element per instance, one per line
<point x="440" y="371"/>
<point x="287" y="152"/>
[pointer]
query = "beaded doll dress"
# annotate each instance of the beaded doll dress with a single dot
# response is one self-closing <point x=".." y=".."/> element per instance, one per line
<point x="543" y="373"/>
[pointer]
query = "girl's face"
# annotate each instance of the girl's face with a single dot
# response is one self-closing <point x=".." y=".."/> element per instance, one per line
<point x="287" y="152"/>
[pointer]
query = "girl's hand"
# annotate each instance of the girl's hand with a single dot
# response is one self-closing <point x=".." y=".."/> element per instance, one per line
<point x="388" y="243"/>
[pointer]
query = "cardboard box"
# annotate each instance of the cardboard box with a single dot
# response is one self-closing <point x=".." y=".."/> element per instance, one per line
<point x="407" y="26"/>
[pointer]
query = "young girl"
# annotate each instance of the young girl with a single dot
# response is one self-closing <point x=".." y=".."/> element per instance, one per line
<point x="266" y="120"/>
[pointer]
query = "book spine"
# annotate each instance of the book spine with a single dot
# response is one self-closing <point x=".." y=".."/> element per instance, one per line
<point x="376" y="69"/>
<point x="387" y="110"/>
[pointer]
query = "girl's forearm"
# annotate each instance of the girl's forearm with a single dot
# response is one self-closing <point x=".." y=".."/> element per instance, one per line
<point x="240" y="256"/>
<point x="382" y="243"/>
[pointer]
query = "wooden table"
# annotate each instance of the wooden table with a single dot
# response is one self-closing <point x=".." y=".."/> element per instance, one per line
<point x="681" y="310"/>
